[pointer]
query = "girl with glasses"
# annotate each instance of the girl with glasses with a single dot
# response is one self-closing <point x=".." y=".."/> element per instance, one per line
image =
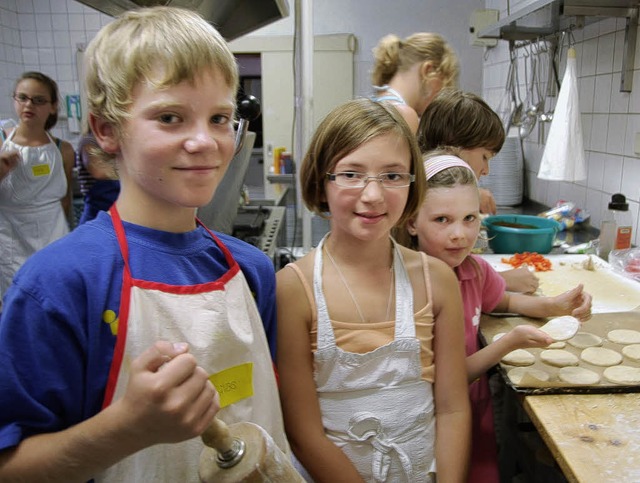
<point x="35" y="176"/>
<point x="370" y="335"/>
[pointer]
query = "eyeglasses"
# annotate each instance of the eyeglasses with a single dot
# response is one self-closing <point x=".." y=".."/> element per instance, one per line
<point x="36" y="101"/>
<point x="353" y="179"/>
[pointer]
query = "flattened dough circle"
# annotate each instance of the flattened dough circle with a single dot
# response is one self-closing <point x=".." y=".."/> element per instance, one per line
<point x="624" y="336"/>
<point x="582" y="340"/>
<point x="632" y="351"/>
<point x="578" y="376"/>
<point x="601" y="356"/>
<point x="561" y="328"/>
<point x="519" y="357"/>
<point x="622" y="374"/>
<point x="558" y="358"/>
<point x="557" y="345"/>
<point x="517" y="374"/>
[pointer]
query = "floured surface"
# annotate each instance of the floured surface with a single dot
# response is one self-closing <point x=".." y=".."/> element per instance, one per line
<point x="611" y="292"/>
<point x="593" y="437"/>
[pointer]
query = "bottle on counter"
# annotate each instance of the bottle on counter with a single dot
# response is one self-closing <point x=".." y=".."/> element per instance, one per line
<point x="615" y="230"/>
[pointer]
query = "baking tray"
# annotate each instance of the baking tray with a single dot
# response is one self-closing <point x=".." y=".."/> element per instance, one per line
<point x="599" y="324"/>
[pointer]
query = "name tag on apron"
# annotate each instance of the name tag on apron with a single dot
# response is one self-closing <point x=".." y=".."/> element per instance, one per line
<point x="41" y="170"/>
<point x="234" y="383"/>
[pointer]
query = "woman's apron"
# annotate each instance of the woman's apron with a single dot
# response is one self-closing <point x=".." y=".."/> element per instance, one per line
<point x="31" y="215"/>
<point x="221" y="323"/>
<point x="375" y="406"/>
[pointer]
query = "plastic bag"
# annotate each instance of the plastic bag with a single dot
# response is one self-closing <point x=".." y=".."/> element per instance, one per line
<point x="626" y="262"/>
<point x="563" y="157"/>
<point x="567" y="214"/>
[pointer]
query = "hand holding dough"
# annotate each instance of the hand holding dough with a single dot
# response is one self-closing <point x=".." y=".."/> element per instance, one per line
<point x="561" y="328"/>
<point x="576" y="302"/>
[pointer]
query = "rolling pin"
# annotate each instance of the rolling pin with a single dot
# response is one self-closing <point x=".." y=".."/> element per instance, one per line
<point x="243" y="452"/>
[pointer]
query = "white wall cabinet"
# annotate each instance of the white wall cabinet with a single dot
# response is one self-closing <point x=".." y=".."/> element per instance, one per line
<point x="333" y="67"/>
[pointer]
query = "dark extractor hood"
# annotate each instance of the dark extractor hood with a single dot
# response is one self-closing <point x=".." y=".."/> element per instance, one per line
<point x="232" y="18"/>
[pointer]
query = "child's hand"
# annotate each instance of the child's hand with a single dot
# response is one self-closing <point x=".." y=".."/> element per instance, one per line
<point x="8" y="160"/>
<point x="574" y="302"/>
<point x="169" y="398"/>
<point x="487" y="202"/>
<point x="521" y="279"/>
<point x="527" y="336"/>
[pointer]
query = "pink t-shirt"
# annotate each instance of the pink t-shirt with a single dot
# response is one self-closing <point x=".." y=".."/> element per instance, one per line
<point x="481" y="288"/>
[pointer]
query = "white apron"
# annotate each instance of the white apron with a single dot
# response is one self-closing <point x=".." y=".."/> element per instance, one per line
<point x="31" y="215"/>
<point x="375" y="406"/>
<point x="222" y="326"/>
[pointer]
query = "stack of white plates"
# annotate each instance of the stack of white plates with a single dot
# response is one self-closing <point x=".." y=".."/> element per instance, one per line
<point x="506" y="174"/>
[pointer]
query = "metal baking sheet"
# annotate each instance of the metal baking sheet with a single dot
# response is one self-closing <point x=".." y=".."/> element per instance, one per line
<point x="600" y="325"/>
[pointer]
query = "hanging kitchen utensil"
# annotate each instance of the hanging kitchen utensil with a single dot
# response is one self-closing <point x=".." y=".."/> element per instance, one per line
<point x="541" y="98"/>
<point x="563" y="157"/>
<point x="530" y="103"/>
<point x="518" y="106"/>
<point x="505" y="107"/>
<point x="553" y="83"/>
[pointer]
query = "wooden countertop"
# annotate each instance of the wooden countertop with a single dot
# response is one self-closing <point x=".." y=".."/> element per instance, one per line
<point x="593" y="437"/>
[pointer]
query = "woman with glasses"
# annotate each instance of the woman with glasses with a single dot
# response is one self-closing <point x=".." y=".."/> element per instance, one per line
<point x="370" y="334"/>
<point x="35" y="176"/>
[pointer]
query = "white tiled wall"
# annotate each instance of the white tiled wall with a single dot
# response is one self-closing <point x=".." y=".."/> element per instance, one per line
<point x="43" y="35"/>
<point x="610" y="118"/>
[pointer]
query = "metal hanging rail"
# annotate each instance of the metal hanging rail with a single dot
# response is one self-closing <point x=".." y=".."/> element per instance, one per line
<point x="546" y="18"/>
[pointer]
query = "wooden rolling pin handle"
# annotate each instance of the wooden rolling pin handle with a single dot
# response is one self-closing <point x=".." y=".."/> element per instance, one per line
<point x="230" y="450"/>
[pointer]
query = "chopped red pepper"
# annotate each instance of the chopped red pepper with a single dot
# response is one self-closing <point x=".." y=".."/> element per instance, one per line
<point x="533" y="259"/>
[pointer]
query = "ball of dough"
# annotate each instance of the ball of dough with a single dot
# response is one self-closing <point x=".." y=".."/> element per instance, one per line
<point x="558" y="358"/>
<point x="578" y="376"/>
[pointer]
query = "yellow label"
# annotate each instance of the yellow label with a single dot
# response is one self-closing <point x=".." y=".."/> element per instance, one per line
<point x="234" y="383"/>
<point x="41" y="170"/>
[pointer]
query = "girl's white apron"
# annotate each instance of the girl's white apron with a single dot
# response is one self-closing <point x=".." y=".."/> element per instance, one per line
<point x="31" y="215"/>
<point x="375" y="406"/>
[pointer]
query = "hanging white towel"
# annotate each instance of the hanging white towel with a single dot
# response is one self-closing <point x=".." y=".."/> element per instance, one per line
<point x="563" y="157"/>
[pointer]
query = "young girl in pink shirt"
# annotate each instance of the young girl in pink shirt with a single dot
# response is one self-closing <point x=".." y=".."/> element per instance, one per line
<point x="446" y="227"/>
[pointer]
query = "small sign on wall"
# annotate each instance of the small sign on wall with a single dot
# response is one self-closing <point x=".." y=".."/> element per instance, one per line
<point x="480" y="20"/>
<point x="74" y="113"/>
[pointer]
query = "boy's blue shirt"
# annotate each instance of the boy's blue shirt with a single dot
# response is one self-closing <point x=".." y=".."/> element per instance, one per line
<point x="56" y="326"/>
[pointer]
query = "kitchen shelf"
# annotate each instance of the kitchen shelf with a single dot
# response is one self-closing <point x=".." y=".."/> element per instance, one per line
<point x="544" y="18"/>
